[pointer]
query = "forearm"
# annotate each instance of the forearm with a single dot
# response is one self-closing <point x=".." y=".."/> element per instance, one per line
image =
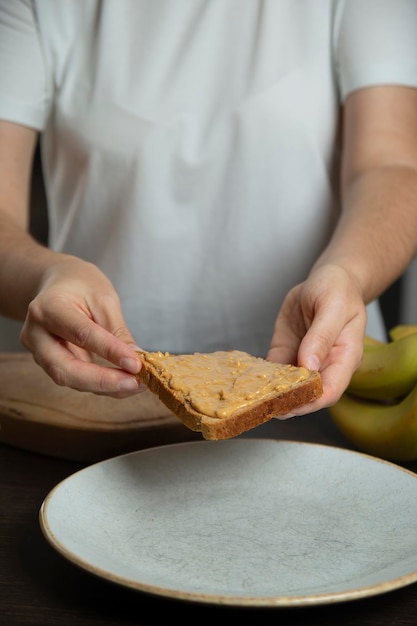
<point x="376" y="237"/>
<point x="23" y="263"/>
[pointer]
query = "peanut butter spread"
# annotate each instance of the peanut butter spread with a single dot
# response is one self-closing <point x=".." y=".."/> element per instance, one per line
<point x="220" y="383"/>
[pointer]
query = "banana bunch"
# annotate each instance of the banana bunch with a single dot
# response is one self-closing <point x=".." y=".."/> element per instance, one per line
<point x="378" y="411"/>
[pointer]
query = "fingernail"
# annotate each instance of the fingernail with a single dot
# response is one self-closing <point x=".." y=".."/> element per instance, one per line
<point x="128" y="384"/>
<point x="313" y="363"/>
<point x="136" y="348"/>
<point x="285" y="417"/>
<point x="130" y="365"/>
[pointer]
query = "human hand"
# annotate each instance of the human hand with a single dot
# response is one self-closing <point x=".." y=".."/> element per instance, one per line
<point x="76" y="331"/>
<point x="321" y="326"/>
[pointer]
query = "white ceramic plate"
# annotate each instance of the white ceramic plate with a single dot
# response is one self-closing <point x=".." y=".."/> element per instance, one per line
<point x="244" y="522"/>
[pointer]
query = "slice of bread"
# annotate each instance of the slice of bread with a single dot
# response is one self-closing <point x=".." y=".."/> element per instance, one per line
<point x="225" y="393"/>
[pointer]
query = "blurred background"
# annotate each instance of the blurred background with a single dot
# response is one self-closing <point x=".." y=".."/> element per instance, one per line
<point x="399" y="303"/>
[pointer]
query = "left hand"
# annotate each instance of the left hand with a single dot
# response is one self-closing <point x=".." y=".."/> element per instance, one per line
<point x="321" y="326"/>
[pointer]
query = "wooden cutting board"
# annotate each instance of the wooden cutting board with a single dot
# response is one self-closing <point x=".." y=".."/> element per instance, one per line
<point x="38" y="415"/>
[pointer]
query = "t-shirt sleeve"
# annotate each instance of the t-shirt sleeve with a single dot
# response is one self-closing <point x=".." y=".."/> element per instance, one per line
<point x="24" y="93"/>
<point x="375" y="44"/>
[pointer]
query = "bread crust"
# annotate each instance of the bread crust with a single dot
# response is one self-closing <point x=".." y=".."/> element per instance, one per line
<point x="214" y="428"/>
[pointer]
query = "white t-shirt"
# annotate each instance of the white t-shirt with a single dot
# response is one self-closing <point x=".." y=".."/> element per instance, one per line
<point x="191" y="147"/>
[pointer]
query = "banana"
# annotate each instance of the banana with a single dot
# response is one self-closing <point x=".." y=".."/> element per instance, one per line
<point x="388" y="370"/>
<point x="372" y="341"/>
<point x="385" y="430"/>
<point x="378" y="411"/>
<point x="402" y="330"/>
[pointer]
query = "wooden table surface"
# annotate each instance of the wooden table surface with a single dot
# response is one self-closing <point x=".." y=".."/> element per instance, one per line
<point x="39" y="587"/>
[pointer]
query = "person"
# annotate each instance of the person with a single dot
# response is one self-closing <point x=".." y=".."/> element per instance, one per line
<point x="220" y="174"/>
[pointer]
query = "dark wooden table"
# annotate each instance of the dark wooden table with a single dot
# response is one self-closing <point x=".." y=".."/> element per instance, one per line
<point x="39" y="587"/>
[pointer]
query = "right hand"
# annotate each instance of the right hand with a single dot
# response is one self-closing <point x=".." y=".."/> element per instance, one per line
<point x="321" y="326"/>
<point x="74" y="323"/>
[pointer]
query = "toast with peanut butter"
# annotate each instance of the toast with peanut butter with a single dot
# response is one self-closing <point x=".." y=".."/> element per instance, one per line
<point x="225" y="393"/>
